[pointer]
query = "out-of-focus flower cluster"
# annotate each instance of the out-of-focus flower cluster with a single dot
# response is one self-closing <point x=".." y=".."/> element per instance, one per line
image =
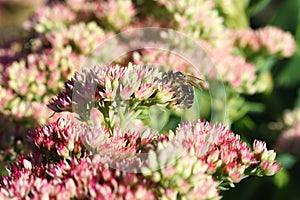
<point x="239" y="62"/>
<point x="265" y="41"/>
<point x="290" y="118"/>
<point x="29" y="82"/>
<point x="231" y="67"/>
<point x="289" y="138"/>
<point x="243" y="57"/>
<point x="196" y="18"/>
<point x="82" y="37"/>
<point x="112" y="14"/>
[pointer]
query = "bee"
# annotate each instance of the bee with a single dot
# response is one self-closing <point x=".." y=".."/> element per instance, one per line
<point x="183" y="86"/>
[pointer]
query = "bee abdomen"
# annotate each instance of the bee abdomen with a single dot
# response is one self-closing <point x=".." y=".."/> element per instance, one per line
<point x="183" y="91"/>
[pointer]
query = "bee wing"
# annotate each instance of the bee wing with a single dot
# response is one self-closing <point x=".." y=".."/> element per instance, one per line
<point x="196" y="82"/>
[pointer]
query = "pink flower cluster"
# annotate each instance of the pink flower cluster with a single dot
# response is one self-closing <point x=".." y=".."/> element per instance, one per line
<point x="114" y="14"/>
<point x="224" y="153"/>
<point x="45" y="62"/>
<point x="230" y="67"/>
<point x="197" y="19"/>
<point x="72" y="159"/>
<point x="134" y="86"/>
<point x="49" y="18"/>
<point x="82" y="37"/>
<point x="69" y="30"/>
<point x="118" y="145"/>
<point x="289" y="139"/>
<point x="42" y="73"/>
<point x="60" y="136"/>
<point x="267" y="40"/>
<point x="193" y="162"/>
<point x="185" y="177"/>
<point x="37" y="177"/>
<point x="86" y="178"/>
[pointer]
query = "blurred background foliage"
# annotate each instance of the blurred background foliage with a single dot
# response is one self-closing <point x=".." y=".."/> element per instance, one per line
<point x="285" y="95"/>
<point x="12" y="15"/>
<point x="256" y="124"/>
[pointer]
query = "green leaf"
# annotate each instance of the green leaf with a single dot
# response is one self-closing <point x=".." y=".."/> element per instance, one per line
<point x="246" y="123"/>
<point x="298" y="27"/>
<point x="286" y="160"/>
<point x="203" y="103"/>
<point x="235" y="108"/>
<point x="290" y="75"/>
<point x="297" y="102"/>
<point x="282" y="178"/>
<point x="286" y="15"/>
<point x="159" y="117"/>
<point x="264" y="63"/>
<point x="255" y="106"/>
<point x="257" y="6"/>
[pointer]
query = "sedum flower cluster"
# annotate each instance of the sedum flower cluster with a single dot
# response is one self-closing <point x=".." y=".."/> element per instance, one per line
<point x="267" y="41"/>
<point x="112" y="14"/>
<point x="79" y="155"/>
<point x="61" y="33"/>
<point x="128" y="91"/>
<point x="94" y="158"/>
<point x="243" y="57"/>
<point x="289" y="140"/>
<point x="33" y="69"/>
<point x="86" y="178"/>
<point x="288" y="127"/>
<point x="217" y="150"/>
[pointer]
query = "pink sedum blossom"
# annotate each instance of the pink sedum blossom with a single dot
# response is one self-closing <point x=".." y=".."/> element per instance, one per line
<point x="85" y="178"/>
<point x="289" y="140"/>
<point x="246" y="39"/>
<point x="192" y="162"/>
<point x="51" y="17"/>
<point x="267" y="41"/>
<point x="60" y="136"/>
<point x="276" y="41"/>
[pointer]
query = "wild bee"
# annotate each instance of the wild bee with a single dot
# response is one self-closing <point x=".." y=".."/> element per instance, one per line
<point x="182" y="85"/>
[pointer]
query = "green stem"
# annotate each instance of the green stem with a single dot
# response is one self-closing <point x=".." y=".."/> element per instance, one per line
<point x="137" y="113"/>
<point x="105" y="112"/>
<point x="122" y="118"/>
<point x="124" y="121"/>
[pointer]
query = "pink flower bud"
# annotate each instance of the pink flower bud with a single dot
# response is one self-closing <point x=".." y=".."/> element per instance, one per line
<point x="259" y="146"/>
